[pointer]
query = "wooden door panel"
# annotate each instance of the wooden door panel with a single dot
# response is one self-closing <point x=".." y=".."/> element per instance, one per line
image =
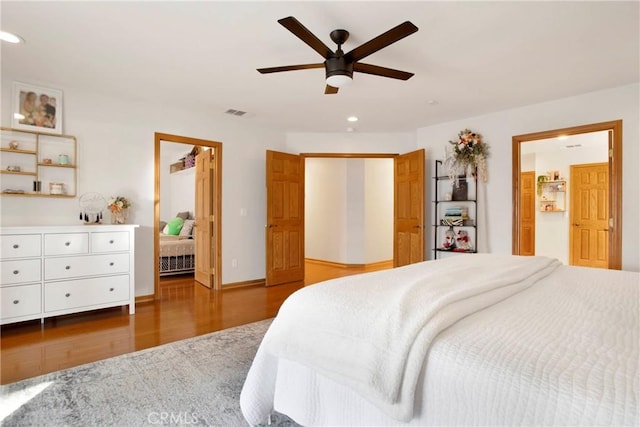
<point x="408" y="208"/>
<point x="589" y="233"/>
<point x="203" y="230"/>
<point x="528" y="214"/>
<point x="285" y="218"/>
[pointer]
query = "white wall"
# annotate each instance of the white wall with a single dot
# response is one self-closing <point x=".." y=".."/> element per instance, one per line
<point x="498" y="129"/>
<point x="115" y="151"/>
<point x="183" y="193"/>
<point x="378" y="224"/>
<point x="349" y="210"/>
<point x="325" y="209"/>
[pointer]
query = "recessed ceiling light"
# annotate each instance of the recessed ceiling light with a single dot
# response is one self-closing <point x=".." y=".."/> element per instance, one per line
<point x="352" y="119"/>
<point x="432" y="102"/>
<point x="10" y="37"/>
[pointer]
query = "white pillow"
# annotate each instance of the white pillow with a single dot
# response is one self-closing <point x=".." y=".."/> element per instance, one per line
<point x="187" y="228"/>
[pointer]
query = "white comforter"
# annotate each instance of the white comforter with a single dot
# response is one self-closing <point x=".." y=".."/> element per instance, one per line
<point x="369" y="336"/>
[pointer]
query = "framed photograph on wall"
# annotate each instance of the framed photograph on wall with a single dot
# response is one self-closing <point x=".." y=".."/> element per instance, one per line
<point x="36" y="108"/>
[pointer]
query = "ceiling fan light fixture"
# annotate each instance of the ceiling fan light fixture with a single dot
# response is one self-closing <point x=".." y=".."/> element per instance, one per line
<point x="339" y="80"/>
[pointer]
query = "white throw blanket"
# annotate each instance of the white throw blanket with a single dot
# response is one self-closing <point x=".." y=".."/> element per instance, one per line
<point x="372" y="332"/>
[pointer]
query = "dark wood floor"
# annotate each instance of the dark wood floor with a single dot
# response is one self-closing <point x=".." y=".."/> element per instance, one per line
<point x="184" y="309"/>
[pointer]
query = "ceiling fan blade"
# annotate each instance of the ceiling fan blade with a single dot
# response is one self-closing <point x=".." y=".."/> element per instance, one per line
<point x="330" y="90"/>
<point x="383" y="40"/>
<point x="289" y="68"/>
<point x="381" y="71"/>
<point x="299" y="30"/>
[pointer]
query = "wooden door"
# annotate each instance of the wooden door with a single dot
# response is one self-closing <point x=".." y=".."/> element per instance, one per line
<point x="408" y="221"/>
<point x="203" y="230"/>
<point x="527" y="213"/>
<point x="589" y="231"/>
<point x="285" y="218"/>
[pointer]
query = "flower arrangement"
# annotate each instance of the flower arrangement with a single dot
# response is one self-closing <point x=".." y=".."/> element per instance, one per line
<point x="118" y="203"/>
<point x="469" y="153"/>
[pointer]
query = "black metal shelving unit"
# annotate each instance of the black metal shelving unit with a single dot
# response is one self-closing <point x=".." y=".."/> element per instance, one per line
<point x="438" y="215"/>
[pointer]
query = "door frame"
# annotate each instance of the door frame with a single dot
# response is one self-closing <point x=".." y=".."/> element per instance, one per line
<point x="217" y="188"/>
<point x="615" y="182"/>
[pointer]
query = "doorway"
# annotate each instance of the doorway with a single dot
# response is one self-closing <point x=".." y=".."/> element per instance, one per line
<point x="285" y="211"/>
<point x="555" y="210"/>
<point x="213" y="223"/>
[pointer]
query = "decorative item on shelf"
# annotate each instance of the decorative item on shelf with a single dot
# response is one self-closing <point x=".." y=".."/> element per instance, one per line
<point x="460" y="189"/>
<point x="462" y="241"/>
<point x="56" y="188"/>
<point x="468" y="155"/>
<point x="46" y="161"/>
<point x="63" y="159"/>
<point x="13" y="145"/>
<point x="541" y="180"/>
<point x="119" y="207"/>
<point x="37" y="186"/>
<point x="449" y="243"/>
<point x="13" y="168"/>
<point x="91" y="207"/>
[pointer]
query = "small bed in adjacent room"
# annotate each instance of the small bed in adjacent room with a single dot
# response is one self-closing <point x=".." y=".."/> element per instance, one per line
<point x="471" y="340"/>
<point x="176" y="255"/>
<point x="177" y="248"/>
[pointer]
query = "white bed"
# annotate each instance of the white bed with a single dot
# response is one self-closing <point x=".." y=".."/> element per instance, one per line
<point x="479" y="340"/>
<point x="176" y="254"/>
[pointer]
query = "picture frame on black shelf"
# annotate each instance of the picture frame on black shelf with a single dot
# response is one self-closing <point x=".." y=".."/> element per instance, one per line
<point x="460" y="189"/>
<point x="36" y="108"/>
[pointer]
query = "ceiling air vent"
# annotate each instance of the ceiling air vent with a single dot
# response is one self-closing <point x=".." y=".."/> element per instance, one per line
<point x="235" y="112"/>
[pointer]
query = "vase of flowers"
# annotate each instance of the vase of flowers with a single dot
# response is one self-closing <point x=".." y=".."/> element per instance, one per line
<point x="119" y="208"/>
<point x="467" y="156"/>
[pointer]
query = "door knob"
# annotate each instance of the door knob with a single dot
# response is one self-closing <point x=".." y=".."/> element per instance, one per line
<point x="271" y="225"/>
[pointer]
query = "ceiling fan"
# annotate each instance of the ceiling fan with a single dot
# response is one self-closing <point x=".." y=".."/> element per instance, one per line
<point x="339" y="66"/>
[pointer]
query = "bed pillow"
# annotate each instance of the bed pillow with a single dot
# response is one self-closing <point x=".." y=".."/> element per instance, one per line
<point x="174" y="226"/>
<point x="187" y="228"/>
<point x="163" y="224"/>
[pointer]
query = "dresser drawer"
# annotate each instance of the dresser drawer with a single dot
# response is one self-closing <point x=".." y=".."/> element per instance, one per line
<point x="20" y="245"/>
<point x="117" y="241"/>
<point x="85" y="292"/>
<point x="21" y="300"/>
<point x="66" y="243"/>
<point x="20" y="271"/>
<point x="88" y="265"/>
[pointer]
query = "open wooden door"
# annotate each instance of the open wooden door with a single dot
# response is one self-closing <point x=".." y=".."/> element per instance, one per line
<point x="408" y="221"/>
<point x="527" y="213"/>
<point x="203" y="230"/>
<point x="589" y="231"/>
<point x="285" y="218"/>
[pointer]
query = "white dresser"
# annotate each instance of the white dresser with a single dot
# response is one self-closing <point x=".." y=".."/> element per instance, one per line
<point x="54" y="270"/>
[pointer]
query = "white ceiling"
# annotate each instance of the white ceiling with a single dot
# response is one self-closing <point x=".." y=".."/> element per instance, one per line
<point x="471" y="57"/>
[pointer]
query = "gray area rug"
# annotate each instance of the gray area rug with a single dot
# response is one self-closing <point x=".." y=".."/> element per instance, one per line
<point x="192" y="382"/>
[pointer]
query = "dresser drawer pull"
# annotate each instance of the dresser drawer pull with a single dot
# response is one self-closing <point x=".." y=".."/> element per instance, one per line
<point x="16" y="246"/>
<point x="111" y="264"/>
<point x="16" y="301"/>
<point x="67" y="295"/>
<point x="16" y="271"/>
<point x="67" y="243"/>
<point x="111" y="289"/>
<point x="111" y="242"/>
<point x="68" y="267"/>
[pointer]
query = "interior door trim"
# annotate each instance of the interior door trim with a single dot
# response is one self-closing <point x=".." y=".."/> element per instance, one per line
<point x="217" y="257"/>
<point x="615" y="182"/>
